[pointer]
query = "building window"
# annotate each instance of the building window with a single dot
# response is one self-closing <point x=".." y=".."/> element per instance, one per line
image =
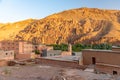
<point x="6" y="53"/>
<point x="114" y="72"/>
<point x="73" y="54"/>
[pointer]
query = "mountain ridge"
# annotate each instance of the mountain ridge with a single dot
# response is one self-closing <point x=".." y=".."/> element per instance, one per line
<point x="82" y="25"/>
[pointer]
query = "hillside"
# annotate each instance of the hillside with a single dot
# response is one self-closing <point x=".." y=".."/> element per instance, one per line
<point x="10" y="30"/>
<point x="83" y="25"/>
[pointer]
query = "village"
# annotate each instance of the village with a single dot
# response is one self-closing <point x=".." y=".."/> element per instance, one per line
<point x="93" y="61"/>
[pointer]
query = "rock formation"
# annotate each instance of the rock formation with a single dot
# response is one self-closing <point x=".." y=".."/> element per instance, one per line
<point x="83" y="25"/>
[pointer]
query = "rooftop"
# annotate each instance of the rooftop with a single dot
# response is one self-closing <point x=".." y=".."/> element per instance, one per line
<point x="97" y="50"/>
<point x="64" y="58"/>
<point x="54" y="51"/>
<point x="115" y="47"/>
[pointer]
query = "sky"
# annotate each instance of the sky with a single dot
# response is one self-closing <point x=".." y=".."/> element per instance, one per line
<point x="17" y="10"/>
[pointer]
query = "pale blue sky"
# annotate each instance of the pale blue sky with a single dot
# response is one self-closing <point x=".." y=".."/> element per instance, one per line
<point x="15" y="10"/>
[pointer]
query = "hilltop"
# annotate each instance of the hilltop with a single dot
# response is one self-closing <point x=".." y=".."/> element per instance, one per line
<point x="82" y="25"/>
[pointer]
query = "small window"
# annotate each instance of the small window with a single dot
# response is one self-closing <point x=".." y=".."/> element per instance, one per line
<point x="11" y="53"/>
<point x="114" y="72"/>
<point x="73" y="54"/>
<point x="6" y="53"/>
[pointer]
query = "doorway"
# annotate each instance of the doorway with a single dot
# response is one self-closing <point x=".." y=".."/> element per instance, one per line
<point x="93" y="60"/>
<point x="114" y="72"/>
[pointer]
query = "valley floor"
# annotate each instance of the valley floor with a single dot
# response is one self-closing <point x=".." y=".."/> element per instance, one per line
<point x="44" y="72"/>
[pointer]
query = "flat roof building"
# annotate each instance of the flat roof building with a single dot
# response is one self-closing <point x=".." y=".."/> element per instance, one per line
<point x="106" y="61"/>
<point x="115" y="48"/>
<point x="19" y="47"/>
<point x="6" y="55"/>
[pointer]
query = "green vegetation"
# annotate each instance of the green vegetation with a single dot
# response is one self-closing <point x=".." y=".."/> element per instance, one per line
<point x="79" y="47"/>
<point x="63" y="47"/>
<point x="37" y="52"/>
<point x="102" y="46"/>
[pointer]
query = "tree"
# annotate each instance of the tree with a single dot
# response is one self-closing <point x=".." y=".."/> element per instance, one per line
<point x="37" y="52"/>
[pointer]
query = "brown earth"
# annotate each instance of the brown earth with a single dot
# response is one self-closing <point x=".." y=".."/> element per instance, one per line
<point x="46" y="72"/>
<point x="83" y="25"/>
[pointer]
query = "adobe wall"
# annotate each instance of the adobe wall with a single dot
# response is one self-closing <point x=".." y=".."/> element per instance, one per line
<point x="71" y="64"/>
<point x="18" y="47"/>
<point x="28" y="48"/>
<point x="49" y="48"/>
<point x="23" y="56"/>
<point x="7" y="55"/>
<point x="115" y="49"/>
<point x="107" y="69"/>
<point x="66" y="53"/>
<point x="108" y="57"/>
<point x="3" y="63"/>
<point x="9" y="45"/>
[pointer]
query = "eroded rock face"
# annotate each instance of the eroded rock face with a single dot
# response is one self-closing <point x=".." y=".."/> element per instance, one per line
<point x="83" y="25"/>
<point x="10" y="30"/>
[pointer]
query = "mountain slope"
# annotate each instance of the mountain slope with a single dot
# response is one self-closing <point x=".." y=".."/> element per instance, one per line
<point x="83" y="25"/>
<point x="10" y="30"/>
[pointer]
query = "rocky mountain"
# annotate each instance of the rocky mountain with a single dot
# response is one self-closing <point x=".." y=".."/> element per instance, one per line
<point x="10" y="30"/>
<point x="83" y="25"/>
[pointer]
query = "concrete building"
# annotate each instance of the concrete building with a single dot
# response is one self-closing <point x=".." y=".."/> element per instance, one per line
<point x="6" y="55"/>
<point x="106" y="61"/>
<point x="19" y="47"/>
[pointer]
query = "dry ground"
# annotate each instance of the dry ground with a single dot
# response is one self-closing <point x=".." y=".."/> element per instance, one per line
<point x="44" y="72"/>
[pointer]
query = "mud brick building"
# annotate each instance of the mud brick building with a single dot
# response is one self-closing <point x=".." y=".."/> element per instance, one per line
<point x="6" y="55"/>
<point x="106" y="61"/>
<point x="19" y="47"/>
